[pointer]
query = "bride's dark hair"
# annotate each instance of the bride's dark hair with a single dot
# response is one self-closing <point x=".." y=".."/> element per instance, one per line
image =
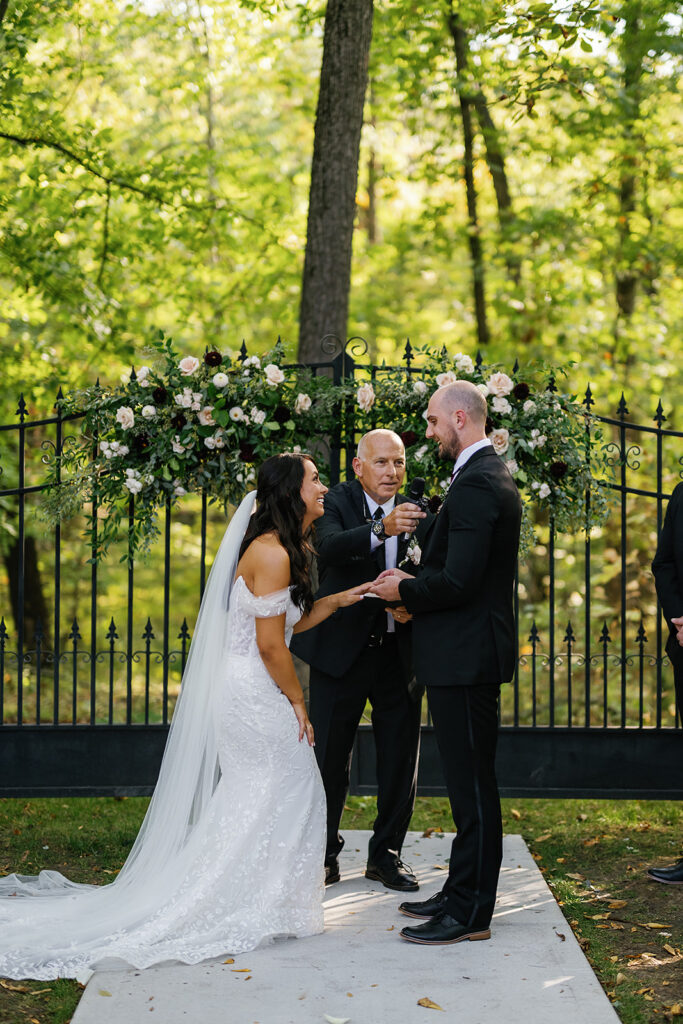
<point x="280" y="509"/>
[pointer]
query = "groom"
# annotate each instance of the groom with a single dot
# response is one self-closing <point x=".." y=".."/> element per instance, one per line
<point x="464" y="644"/>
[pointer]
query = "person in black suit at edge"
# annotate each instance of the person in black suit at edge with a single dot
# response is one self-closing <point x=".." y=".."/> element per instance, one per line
<point x="464" y="643"/>
<point x="365" y="655"/>
<point x="667" y="567"/>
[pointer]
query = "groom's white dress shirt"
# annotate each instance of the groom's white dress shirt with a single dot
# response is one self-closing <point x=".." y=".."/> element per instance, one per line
<point x="390" y="544"/>
<point x="467" y="453"/>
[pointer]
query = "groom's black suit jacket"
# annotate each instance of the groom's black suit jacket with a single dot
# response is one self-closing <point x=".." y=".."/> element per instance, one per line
<point x="464" y="629"/>
<point x="342" y="542"/>
<point x="668" y="571"/>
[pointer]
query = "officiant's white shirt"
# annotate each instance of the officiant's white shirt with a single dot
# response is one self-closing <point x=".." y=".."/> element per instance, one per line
<point x="390" y="544"/>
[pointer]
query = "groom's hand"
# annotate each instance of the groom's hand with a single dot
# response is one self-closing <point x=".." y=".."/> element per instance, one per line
<point x="678" y="624"/>
<point x="386" y="584"/>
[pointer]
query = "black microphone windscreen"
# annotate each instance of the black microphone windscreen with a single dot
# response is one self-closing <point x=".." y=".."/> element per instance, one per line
<point x="417" y="488"/>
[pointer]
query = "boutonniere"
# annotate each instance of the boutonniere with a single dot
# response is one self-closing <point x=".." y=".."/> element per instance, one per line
<point x="435" y="502"/>
<point x="413" y="554"/>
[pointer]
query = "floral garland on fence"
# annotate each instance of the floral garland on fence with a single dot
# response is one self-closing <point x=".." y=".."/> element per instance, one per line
<point x="189" y="425"/>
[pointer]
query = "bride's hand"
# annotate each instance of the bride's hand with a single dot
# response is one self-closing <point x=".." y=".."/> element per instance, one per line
<point x="305" y="727"/>
<point x="352" y="596"/>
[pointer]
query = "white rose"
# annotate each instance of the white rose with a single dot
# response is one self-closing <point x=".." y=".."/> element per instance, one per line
<point x="177" y="447"/>
<point x="149" y="412"/>
<point x="500" y="384"/>
<point x="205" y="417"/>
<point x="274" y="375"/>
<point x="104" y="448"/>
<point x="219" y="380"/>
<point x="184" y="400"/>
<point x="484" y="388"/>
<point x="196" y="406"/>
<point x="463" y="363"/>
<point x="365" y="396"/>
<point x="512" y="466"/>
<point x="142" y="373"/>
<point x="443" y="379"/>
<point x="209" y="442"/>
<point x="218" y="439"/>
<point x="188" y="365"/>
<point x="501" y="404"/>
<point x="236" y="414"/>
<point x="251" y="475"/>
<point x="529" y="406"/>
<point x="535" y="485"/>
<point x="258" y="415"/>
<point x="125" y="417"/>
<point x="420" y="453"/>
<point x="179" y="491"/>
<point x="543" y="491"/>
<point x="252" y="361"/>
<point x="296" y="450"/>
<point x="133" y="485"/>
<point x="500" y="439"/>
<point x="414" y="553"/>
<point x="303" y="403"/>
<point x="420" y="387"/>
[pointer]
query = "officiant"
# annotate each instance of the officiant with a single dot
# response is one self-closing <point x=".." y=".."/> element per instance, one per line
<point x="364" y="653"/>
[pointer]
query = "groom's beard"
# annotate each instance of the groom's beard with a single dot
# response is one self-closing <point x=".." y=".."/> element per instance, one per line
<point x="450" y="448"/>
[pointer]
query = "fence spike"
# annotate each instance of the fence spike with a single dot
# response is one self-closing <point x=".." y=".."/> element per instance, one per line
<point x="478" y="361"/>
<point x="21" y="408"/>
<point x="39" y="633"/>
<point x="659" y="416"/>
<point x="552" y="386"/>
<point x="408" y="351"/>
<point x="111" y="632"/>
<point x="243" y="351"/>
<point x="3" y="632"/>
<point x="623" y="408"/>
<point x="133" y="375"/>
<point x="605" y="638"/>
<point x="569" y="636"/>
<point x="588" y="400"/>
<point x="75" y="633"/>
<point x="148" y="633"/>
<point x="515" y="368"/>
<point x="534" y="635"/>
<point x="641" y="635"/>
<point x="184" y="633"/>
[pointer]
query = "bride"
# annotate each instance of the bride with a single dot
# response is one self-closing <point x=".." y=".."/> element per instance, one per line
<point x="231" y="850"/>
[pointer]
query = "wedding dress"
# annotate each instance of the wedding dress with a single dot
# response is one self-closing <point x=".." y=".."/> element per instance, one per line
<point x="231" y="851"/>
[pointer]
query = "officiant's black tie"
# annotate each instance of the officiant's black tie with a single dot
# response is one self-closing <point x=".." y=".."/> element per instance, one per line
<point x="376" y="515"/>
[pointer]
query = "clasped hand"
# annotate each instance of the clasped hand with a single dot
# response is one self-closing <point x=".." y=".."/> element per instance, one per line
<point x="678" y="625"/>
<point x="386" y="585"/>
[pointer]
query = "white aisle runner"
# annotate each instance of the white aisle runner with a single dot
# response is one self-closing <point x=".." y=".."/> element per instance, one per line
<point x="531" y="971"/>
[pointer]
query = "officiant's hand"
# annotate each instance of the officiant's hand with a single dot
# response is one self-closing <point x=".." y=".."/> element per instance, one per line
<point x="386" y="584"/>
<point x="678" y="626"/>
<point x="400" y="614"/>
<point x="403" y="519"/>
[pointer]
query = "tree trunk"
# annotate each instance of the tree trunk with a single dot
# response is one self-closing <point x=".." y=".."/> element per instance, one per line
<point x="35" y="606"/>
<point x="334" y="175"/>
<point x="495" y="158"/>
<point x="474" y="237"/>
<point x="632" y="56"/>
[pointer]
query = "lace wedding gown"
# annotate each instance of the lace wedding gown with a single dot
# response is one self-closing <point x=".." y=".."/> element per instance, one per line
<point x="249" y="869"/>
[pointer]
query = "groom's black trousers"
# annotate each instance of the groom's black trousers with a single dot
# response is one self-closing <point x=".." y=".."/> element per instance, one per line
<point x="466" y="726"/>
<point x="336" y="708"/>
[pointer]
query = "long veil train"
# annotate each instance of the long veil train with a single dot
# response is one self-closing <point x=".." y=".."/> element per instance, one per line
<point x="47" y="921"/>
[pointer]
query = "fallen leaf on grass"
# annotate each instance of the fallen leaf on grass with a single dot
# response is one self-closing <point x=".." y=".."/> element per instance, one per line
<point x="597" y="917"/>
<point x="432" y="828"/>
<point x="591" y="842"/>
<point x="654" y="925"/>
<point x="542" y="839"/>
<point x="576" y="876"/>
<point x="582" y="817"/>
<point x="620" y="977"/>
<point x="515" y="813"/>
<point x="560" y="860"/>
<point x="644" y="991"/>
<point x="670" y="949"/>
<point x="617" y="904"/>
<point x="336" y="1020"/>
<point x="676" y="1010"/>
<point x="429" y="1004"/>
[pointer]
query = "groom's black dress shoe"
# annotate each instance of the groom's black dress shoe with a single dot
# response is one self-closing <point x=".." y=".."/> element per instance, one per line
<point x="672" y="874"/>
<point x="425" y="908"/>
<point x="394" y="874"/>
<point x="443" y="930"/>
<point x="332" y="871"/>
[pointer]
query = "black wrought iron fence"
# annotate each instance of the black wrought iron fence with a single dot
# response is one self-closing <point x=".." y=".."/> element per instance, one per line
<point x="86" y="694"/>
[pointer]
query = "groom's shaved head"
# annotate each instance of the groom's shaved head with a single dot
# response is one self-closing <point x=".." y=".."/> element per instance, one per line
<point x="462" y="395"/>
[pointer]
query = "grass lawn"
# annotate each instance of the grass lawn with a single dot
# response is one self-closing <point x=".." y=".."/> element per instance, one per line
<point x="593" y="853"/>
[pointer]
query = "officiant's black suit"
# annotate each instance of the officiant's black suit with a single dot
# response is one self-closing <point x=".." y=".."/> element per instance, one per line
<point x="353" y="659"/>
<point x="667" y="567"/>
<point x="464" y="647"/>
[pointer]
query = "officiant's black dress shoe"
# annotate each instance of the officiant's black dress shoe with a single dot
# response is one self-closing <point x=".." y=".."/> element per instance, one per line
<point x="443" y="930"/>
<point x="394" y="875"/>
<point x="672" y="874"/>
<point x="332" y="871"/>
<point x="425" y="908"/>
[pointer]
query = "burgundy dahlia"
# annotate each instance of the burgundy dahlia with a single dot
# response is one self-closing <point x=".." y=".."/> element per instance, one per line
<point x="247" y="453"/>
<point x="489" y="425"/>
<point x="521" y="391"/>
<point x="408" y="437"/>
<point x="434" y="503"/>
<point x="140" y="442"/>
<point x="213" y="358"/>
<point x="282" y="414"/>
<point x="178" y="421"/>
<point x="160" y="394"/>
<point x="558" y="469"/>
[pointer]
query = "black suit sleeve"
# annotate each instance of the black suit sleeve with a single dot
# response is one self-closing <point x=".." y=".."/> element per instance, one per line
<point x="668" y="558"/>
<point x="472" y="520"/>
<point x="335" y="543"/>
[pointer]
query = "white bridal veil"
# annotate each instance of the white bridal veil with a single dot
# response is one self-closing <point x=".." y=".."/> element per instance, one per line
<point x="50" y="926"/>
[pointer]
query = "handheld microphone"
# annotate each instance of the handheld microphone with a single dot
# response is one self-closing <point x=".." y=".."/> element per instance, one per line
<point x="416" y="496"/>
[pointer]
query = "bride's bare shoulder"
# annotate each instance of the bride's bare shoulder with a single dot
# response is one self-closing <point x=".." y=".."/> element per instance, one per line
<point x="265" y="565"/>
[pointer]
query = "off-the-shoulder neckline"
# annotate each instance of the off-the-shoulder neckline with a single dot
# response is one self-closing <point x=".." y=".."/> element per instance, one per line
<point x="259" y="597"/>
